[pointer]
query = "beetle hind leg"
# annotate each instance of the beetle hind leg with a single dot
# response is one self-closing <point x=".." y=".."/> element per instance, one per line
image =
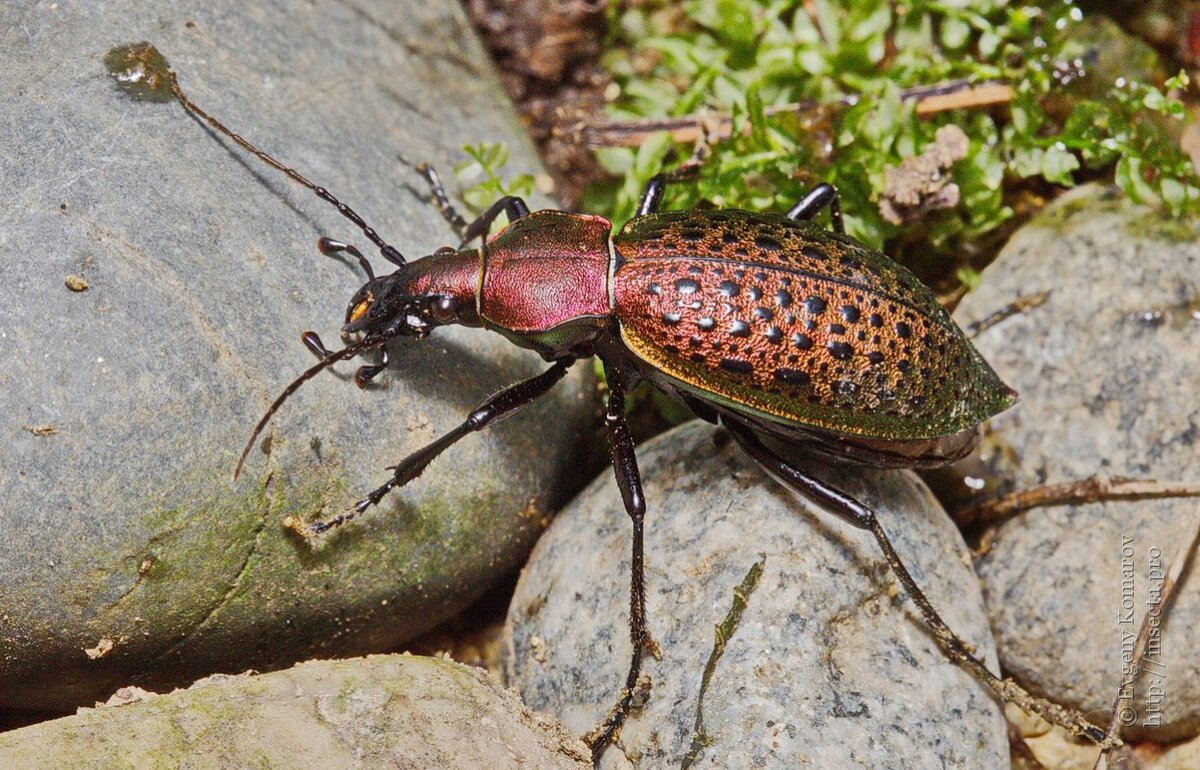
<point x="855" y="512"/>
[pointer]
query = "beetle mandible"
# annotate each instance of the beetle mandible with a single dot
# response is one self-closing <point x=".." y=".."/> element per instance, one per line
<point x="768" y="324"/>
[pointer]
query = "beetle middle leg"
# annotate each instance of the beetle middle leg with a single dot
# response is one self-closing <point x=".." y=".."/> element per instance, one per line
<point x="497" y="407"/>
<point x="511" y="205"/>
<point x="629" y="481"/>
<point x="817" y="199"/>
<point x="652" y="196"/>
<point x="855" y="512"/>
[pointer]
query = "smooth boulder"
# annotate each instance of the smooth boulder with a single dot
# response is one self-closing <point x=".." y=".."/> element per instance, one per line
<point x="782" y="640"/>
<point x="155" y="283"/>
<point x="400" y="711"/>
<point x="1107" y="370"/>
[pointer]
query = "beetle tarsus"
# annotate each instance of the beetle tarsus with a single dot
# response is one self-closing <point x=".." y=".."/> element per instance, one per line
<point x="441" y="201"/>
<point x="468" y="231"/>
<point x="320" y="527"/>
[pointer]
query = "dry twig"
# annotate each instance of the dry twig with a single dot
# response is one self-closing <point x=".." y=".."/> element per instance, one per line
<point x="1090" y="490"/>
<point x="955" y="95"/>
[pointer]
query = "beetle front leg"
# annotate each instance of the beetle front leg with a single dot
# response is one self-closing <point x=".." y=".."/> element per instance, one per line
<point x="501" y="405"/>
<point x="511" y="205"/>
<point x="629" y="481"/>
<point x="855" y="512"/>
<point x="817" y="199"/>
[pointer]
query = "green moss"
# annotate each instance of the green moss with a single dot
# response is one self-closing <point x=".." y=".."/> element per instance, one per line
<point x="1090" y="202"/>
<point x="1086" y="98"/>
<point x="722" y="634"/>
<point x="1157" y="226"/>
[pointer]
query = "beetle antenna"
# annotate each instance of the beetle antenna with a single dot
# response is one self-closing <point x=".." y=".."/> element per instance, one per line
<point x="389" y="252"/>
<point x="350" y="351"/>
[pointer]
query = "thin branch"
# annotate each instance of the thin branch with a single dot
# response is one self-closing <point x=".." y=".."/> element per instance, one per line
<point x="954" y="95"/>
<point x="1016" y="307"/>
<point x="983" y="95"/>
<point x="1090" y="490"/>
<point x="1155" y="614"/>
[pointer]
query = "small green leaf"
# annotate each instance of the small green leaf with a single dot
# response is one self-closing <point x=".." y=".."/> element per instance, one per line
<point x="1057" y="164"/>
<point x="968" y="277"/>
<point x="955" y="33"/>
<point x="1129" y="178"/>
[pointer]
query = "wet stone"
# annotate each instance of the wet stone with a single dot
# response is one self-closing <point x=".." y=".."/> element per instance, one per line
<point x="1101" y="394"/>
<point x="382" y="711"/>
<point x="822" y="664"/>
<point x="122" y="523"/>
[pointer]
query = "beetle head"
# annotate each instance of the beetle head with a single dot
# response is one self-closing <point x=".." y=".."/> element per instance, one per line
<point x="392" y="306"/>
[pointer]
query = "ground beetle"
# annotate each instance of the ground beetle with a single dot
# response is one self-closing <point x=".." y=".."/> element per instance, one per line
<point x="768" y="324"/>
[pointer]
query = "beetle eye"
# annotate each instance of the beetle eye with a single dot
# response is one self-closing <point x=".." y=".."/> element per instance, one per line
<point x="444" y="310"/>
<point x="361" y="308"/>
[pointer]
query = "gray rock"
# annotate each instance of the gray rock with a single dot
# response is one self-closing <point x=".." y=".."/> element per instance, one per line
<point x="1107" y="371"/>
<point x="395" y="711"/>
<point x="125" y="404"/>
<point x="826" y="666"/>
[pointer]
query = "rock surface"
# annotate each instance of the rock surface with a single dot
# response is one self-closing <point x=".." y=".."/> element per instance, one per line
<point x="1107" y="369"/>
<point x="824" y="667"/>
<point x="397" y="711"/>
<point x="129" y="556"/>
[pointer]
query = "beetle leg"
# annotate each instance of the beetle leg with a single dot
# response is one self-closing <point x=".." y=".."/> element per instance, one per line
<point x="816" y="199"/>
<point x="440" y="200"/>
<point x="951" y="644"/>
<point x="497" y="407"/>
<point x="652" y="196"/>
<point x="510" y="204"/>
<point x="629" y="481"/>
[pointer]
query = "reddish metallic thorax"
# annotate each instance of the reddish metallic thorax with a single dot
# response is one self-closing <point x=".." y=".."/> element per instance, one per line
<point x="545" y="281"/>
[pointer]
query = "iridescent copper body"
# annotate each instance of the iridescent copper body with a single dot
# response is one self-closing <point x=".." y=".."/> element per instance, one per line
<point x="807" y="332"/>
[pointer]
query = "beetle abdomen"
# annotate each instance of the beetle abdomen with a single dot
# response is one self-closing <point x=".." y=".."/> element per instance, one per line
<point x="798" y="324"/>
